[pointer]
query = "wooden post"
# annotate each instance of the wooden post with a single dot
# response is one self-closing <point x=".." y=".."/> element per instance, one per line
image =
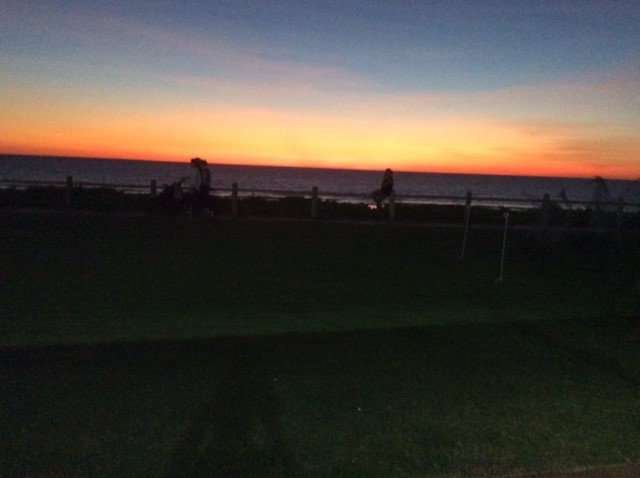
<point x="153" y="188"/>
<point x="545" y="212"/>
<point x="69" y="191"/>
<point x="504" y="246"/>
<point x="314" y="202"/>
<point x="234" y="199"/>
<point x="467" y="208"/>
<point x="392" y="205"/>
<point x="620" y="213"/>
<point x="467" y="216"/>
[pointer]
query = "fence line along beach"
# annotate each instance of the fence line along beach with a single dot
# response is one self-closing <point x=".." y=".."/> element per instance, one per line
<point x="333" y="184"/>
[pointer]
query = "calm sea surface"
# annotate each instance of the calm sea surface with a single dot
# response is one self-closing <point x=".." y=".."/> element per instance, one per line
<point x="349" y="183"/>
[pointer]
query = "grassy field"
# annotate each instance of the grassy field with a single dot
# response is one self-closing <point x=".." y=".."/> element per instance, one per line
<point x="147" y="346"/>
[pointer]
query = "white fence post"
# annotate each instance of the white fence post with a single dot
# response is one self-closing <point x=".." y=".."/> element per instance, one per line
<point x="467" y="216"/>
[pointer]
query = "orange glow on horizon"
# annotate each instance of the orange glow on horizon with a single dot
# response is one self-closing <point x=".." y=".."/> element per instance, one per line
<point x="97" y="83"/>
<point x="549" y="168"/>
<point x="251" y="136"/>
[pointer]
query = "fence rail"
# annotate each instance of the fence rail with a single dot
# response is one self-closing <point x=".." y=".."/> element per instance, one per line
<point x="314" y="194"/>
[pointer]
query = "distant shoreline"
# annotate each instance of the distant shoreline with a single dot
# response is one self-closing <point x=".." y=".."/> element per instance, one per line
<point x="354" y="186"/>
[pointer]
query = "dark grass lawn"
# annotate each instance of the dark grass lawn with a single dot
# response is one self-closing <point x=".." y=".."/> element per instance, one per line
<point x="87" y="278"/>
<point x="465" y="400"/>
<point x="168" y="347"/>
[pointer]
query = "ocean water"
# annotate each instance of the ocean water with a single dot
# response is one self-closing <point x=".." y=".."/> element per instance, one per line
<point x="343" y="184"/>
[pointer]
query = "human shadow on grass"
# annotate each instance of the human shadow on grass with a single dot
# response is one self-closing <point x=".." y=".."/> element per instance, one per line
<point x="238" y="432"/>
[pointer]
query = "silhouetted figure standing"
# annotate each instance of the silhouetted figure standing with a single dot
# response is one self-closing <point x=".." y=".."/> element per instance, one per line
<point x="386" y="188"/>
<point x="194" y="184"/>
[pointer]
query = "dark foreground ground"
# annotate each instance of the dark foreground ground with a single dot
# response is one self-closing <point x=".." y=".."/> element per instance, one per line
<point x="468" y="400"/>
<point x="306" y="349"/>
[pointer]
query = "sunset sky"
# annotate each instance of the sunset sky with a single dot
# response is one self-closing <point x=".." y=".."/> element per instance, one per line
<point x="530" y="87"/>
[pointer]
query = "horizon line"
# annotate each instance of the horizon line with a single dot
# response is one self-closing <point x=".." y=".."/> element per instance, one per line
<point x="216" y="162"/>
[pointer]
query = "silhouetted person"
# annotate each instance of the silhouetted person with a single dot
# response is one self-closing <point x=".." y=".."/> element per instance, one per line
<point x="194" y="183"/>
<point x="386" y="188"/>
